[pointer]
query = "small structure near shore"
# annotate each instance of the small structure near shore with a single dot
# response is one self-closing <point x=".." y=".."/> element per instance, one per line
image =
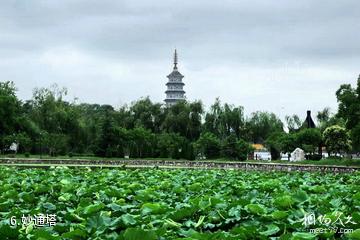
<point x="260" y="153"/>
<point x="297" y="155"/>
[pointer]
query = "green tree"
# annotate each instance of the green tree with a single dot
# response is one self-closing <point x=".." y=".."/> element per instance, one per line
<point x="24" y="142"/>
<point x="355" y="137"/>
<point x="281" y="142"/>
<point x="234" y="148"/>
<point x="273" y="143"/>
<point x="184" y="118"/>
<point x="349" y="110"/>
<point x="209" y="145"/>
<point x="293" y="123"/>
<point x="195" y="116"/>
<point x="9" y="111"/>
<point x="337" y="140"/>
<point x="262" y="124"/>
<point x="171" y="145"/>
<point x="52" y="114"/>
<point x="107" y="141"/>
<point x="54" y="144"/>
<point x="147" y="115"/>
<point x="91" y="120"/>
<point x="309" y="139"/>
<point x="349" y="104"/>
<point x="326" y="119"/>
<point x="143" y="142"/>
<point x="288" y="142"/>
<point x="223" y="120"/>
<point x="323" y="116"/>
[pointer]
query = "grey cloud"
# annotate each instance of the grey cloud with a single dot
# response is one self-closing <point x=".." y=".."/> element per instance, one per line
<point x="222" y="45"/>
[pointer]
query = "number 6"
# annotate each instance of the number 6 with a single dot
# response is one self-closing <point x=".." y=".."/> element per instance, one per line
<point x="13" y="221"/>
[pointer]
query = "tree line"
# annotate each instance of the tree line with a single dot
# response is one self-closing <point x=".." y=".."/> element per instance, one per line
<point x="48" y="124"/>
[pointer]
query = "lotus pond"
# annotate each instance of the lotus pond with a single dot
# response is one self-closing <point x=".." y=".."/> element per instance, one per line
<point x="151" y="204"/>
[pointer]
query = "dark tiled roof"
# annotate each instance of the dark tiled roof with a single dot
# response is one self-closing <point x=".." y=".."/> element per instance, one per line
<point x="309" y="123"/>
<point x="175" y="91"/>
<point x="175" y="83"/>
<point x="175" y="73"/>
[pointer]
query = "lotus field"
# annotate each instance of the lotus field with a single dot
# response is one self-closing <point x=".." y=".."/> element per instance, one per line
<point x="151" y="204"/>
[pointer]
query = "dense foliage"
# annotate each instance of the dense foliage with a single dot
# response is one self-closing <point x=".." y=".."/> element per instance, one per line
<point x="49" y="124"/>
<point x="170" y="204"/>
<point x="349" y="109"/>
<point x="337" y="139"/>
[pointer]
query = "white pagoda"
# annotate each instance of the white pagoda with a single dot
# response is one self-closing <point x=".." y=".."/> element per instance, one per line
<point x="174" y="92"/>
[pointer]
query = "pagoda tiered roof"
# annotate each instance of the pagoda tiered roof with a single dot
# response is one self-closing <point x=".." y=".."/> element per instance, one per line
<point x="175" y="73"/>
<point x="174" y="83"/>
<point x="175" y="91"/>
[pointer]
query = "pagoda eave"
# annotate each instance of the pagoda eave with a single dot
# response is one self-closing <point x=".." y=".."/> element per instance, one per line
<point x="175" y="83"/>
<point x="175" y="75"/>
<point x="174" y="91"/>
<point x="173" y="99"/>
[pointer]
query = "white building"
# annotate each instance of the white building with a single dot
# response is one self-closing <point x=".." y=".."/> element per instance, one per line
<point x="260" y="152"/>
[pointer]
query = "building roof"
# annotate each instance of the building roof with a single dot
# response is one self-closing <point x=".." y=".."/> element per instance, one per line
<point x="309" y="123"/>
<point x="258" y="146"/>
<point x="175" y="73"/>
<point x="168" y="100"/>
<point x="175" y="83"/>
<point x="174" y="91"/>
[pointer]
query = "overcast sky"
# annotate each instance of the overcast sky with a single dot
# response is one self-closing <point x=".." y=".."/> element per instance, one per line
<point x="280" y="56"/>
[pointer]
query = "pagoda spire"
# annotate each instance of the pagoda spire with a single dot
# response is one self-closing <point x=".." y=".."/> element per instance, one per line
<point x="175" y="60"/>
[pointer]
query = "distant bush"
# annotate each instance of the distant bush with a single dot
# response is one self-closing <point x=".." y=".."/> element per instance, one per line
<point x="27" y="154"/>
<point x="71" y="154"/>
